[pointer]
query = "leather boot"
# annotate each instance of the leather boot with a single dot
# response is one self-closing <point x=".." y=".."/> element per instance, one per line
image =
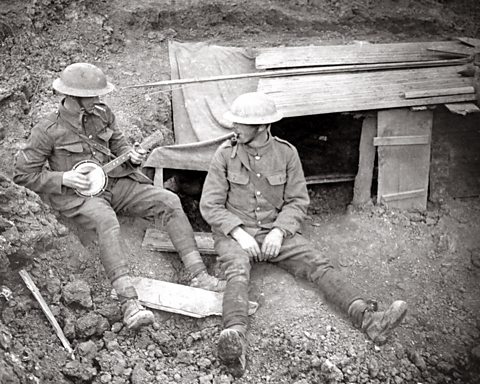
<point x="232" y="347"/>
<point x="210" y="283"/>
<point x="377" y="324"/>
<point x="135" y="315"/>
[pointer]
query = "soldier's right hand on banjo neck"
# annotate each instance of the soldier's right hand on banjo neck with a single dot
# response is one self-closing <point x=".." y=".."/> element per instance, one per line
<point x="75" y="179"/>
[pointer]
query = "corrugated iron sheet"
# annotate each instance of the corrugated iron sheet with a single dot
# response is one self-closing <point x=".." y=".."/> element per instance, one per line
<point x="360" y="53"/>
<point x="329" y="93"/>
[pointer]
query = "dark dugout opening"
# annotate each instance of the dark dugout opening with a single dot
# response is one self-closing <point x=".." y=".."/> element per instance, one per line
<point x="328" y="146"/>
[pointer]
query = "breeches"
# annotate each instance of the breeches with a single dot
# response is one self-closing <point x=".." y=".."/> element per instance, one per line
<point x="297" y="256"/>
<point x="129" y="197"/>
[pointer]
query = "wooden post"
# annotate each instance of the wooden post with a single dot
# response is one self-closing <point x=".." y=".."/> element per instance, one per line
<point x="363" y="180"/>
<point x="476" y="79"/>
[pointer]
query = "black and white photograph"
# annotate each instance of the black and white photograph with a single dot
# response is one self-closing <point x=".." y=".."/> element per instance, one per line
<point x="233" y="191"/>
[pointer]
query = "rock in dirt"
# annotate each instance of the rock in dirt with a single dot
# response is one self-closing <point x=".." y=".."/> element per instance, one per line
<point x="77" y="292"/>
<point x="373" y="368"/>
<point x="5" y="338"/>
<point x="476" y="353"/>
<point x="416" y="358"/>
<point x="475" y="257"/>
<point x="91" y="324"/>
<point x="331" y="373"/>
<point x="81" y="372"/>
<point x="87" y="350"/>
<point x="140" y="375"/>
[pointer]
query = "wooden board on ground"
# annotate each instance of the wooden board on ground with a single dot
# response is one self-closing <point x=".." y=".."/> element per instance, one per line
<point x="403" y="165"/>
<point x="158" y="240"/>
<point x="181" y="299"/>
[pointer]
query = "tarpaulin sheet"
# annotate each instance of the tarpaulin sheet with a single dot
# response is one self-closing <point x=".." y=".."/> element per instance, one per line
<point x="198" y="108"/>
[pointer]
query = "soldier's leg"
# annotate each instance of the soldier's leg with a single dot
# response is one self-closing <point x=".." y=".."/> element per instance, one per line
<point x="96" y="213"/>
<point x="232" y="342"/>
<point x="148" y="201"/>
<point x="298" y="256"/>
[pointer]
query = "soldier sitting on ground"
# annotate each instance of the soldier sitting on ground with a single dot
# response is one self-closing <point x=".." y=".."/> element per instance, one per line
<point x="85" y="129"/>
<point x="255" y="198"/>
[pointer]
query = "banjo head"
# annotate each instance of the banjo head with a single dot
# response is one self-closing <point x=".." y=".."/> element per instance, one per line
<point x="96" y="175"/>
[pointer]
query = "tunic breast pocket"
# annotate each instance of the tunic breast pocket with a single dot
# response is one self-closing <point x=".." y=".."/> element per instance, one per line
<point x="67" y="155"/>
<point x="105" y="136"/>
<point x="277" y="182"/>
<point x="277" y="178"/>
<point x="238" y="194"/>
<point x="237" y="178"/>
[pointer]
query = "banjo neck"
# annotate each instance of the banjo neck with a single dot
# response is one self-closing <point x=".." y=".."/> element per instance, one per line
<point x="116" y="162"/>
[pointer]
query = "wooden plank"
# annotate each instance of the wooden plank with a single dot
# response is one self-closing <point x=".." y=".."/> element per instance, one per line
<point x="462" y="108"/>
<point x="158" y="240"/>
<point x="403" y="195"/>
<point x="287" y="57"/>
<point x="182" y="299"/>
<point x="331" y="93"/>
<point x="439" y="92"/>
<point x="363" y="180"/>
<point x="401" y="140"/>
<point x="404" y="168"/>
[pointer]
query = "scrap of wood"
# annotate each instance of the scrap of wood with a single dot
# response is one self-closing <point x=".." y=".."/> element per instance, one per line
<point x="46" y="310"/>
<point x="327" y="179"/>
<point x="401" y="140"/>
<point x="439" y="92"/>
<point x="462" y="108"/>
<point x="158" y="240"/>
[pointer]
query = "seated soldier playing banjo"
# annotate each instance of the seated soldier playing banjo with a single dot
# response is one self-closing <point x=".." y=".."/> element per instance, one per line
<point x="79" y="142"/>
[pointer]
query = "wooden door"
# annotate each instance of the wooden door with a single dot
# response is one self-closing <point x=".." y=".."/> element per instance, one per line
<point x="403" y="142"/>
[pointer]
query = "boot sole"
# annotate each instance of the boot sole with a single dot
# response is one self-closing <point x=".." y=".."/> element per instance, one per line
<point x="231" y="352"/>
<point x="383" y="336"/>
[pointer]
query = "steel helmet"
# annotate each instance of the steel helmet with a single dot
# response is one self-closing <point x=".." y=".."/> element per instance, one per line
<point x="253" y="108"/>
<point x="82" y="80"/>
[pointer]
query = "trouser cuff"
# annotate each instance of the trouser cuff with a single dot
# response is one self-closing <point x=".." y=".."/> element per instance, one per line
<point x="193" y="263"/>
<point x="124" y="288"/>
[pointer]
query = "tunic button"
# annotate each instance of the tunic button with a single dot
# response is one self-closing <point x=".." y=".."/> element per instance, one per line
<point x="259" y="222"/>
<point x="89" y="136"/>
<point x="258" y="174"/>
<point x="258" y="208"/>
<point x="257" y="157"/>
<point x="258" y="193"/>
<point x="94" y="153"/>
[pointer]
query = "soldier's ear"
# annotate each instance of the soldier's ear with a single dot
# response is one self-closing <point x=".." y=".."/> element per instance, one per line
<point x="262" y="128"/>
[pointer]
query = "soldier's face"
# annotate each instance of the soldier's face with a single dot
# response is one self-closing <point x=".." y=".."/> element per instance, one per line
<point x="246" y="133"/>
<point x="88" y="103"/>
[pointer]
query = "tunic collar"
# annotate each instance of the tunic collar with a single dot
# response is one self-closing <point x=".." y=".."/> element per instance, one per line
<point x="260" y="151"/>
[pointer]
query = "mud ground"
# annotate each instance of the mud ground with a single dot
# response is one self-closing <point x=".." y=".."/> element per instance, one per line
<point x="429" y="259"/>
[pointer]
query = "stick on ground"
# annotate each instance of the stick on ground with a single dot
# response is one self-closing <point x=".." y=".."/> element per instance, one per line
<point x="36" y="293"/>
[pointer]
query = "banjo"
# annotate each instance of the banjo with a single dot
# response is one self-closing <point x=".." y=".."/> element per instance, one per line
<point x="98" y="174"/>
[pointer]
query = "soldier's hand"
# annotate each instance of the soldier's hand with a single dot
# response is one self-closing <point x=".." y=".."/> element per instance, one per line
<point x="272" y="244"/>
<point x="138" y="155"/>
<point x="75" y="179"/>
<point x="247" y="242"/>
